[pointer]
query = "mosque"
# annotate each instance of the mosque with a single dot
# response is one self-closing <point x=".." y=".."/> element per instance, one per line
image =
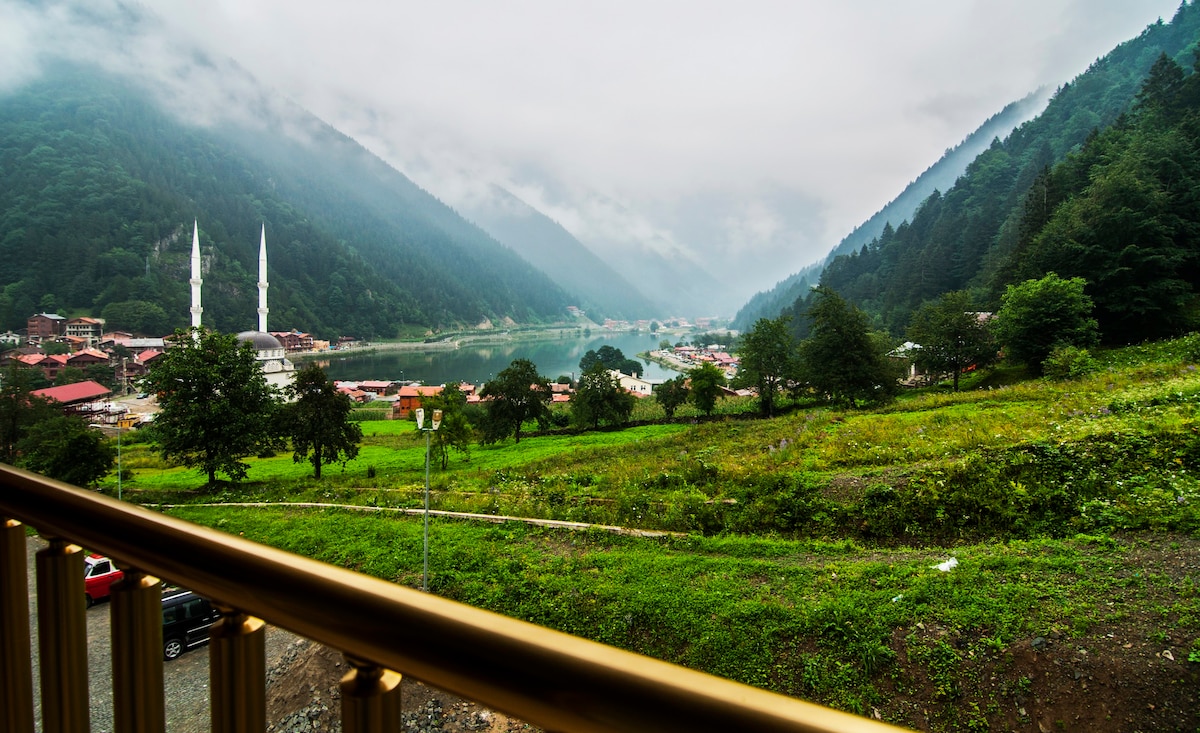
<point x="272" y="359"/>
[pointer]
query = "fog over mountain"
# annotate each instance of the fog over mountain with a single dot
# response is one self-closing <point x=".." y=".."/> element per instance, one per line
<point x="703" y="153"/>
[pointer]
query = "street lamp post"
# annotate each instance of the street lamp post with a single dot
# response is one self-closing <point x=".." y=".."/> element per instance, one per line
<point x="437" y="422"/>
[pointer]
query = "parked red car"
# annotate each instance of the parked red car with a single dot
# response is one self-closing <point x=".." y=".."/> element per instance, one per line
<point x="99" y="573"/>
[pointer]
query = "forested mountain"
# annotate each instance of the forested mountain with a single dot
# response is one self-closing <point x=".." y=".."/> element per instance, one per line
<point x="603" y="292"/>
<point x="99" y="187"/>
<point x="1005" y="216"/>
<point x="938" y="177"/>
<point x="963" y="238"/>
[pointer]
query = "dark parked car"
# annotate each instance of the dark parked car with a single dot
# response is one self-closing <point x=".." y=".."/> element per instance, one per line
<point x="187" y="619"/>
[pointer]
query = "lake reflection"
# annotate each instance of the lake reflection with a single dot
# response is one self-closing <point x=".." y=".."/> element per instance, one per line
<point x="478" y="364"/>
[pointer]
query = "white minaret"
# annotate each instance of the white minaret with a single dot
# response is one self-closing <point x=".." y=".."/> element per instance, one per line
<point x="262" y="281"/>
<point x="196" y="281"/>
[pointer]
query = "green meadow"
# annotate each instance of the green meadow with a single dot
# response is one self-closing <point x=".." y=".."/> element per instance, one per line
<point x="803" y="548"/>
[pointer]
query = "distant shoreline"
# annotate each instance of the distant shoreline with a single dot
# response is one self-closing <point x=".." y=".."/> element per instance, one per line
<point x="449" y="343"/>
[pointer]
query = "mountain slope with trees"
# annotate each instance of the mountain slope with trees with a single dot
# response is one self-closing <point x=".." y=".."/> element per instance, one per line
<point x="966" y="238"/>
<point x="99" y="187"/>
<point x="962" y="237"/>
<point x="938" y="177"/>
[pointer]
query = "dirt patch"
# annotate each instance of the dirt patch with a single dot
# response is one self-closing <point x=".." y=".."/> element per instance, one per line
<point x="303" y="697"/>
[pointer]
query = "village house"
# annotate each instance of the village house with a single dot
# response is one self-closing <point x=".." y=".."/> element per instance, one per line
<point x="633" y="384"/>
<point x="410" y="398"/>
<point x="50" y="364"/>
<point x="44" y="327"/>
<point x="294" y="340"/>
<point x="377" y="387"/>
<point x="87" y="357"/>
<point x="89" y="330"/>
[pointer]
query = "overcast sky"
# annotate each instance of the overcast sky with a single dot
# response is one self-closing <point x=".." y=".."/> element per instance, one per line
<point x="787" y="123"/>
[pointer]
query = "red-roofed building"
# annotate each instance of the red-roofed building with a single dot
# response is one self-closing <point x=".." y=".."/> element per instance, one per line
<point x="294" y="340"/>
<point x="74" y="397"/>
<point x="410" y="398"/>
<point x="379" y="387"/>
<point x="50" y="364"/>
<point x="87" y="357"/>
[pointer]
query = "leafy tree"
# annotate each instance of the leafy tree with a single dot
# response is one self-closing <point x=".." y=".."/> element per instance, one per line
<point x="65" y="448"/>
<point x="455" y="431"/>
<point x="600" y="398"/>
<point x="20" y="410"/>
<point x="951" y="336"/>
<point x="517" y="394"/>
<point x="318" y="421"/>
<point x="706" y="383"/>
<point x="840" y="358"/>
<point x="612" y="358"/>
<point x="1038" y="315"/>
<point x="215" y="406"/>
<point x="767" y="360"/>
<point x="672" y="394"/>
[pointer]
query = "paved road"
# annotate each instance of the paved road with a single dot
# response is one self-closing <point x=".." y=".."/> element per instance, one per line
<point x="185" y="680"/>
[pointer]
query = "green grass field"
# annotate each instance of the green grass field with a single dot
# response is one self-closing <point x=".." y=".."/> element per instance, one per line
<point x="808" y="540"/>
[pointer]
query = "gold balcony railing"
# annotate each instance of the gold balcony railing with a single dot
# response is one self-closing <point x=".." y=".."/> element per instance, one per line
<point x="550" y="679"/>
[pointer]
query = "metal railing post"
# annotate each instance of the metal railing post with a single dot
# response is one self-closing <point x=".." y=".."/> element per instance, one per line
<point x="237" y="663"/>
<point x="137" y="654"/>
<point x="62" y="638"/>
<point x="16" y="668"/>
<point x="370" y="698"/>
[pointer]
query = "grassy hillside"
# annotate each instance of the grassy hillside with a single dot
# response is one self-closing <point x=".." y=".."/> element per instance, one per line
<point x="806" y="559"/>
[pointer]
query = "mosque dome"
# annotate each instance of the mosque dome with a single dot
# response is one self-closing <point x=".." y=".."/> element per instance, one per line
<point x="260" y="340"/>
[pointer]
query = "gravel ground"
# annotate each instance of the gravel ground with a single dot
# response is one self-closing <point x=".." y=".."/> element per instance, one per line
<point x="185" y="680"/>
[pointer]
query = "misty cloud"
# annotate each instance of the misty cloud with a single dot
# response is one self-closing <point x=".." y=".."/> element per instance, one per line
<point x="794" y="121"/>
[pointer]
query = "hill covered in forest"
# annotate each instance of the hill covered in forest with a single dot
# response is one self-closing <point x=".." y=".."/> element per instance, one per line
<point x="100" y="184"/>
<point x="970" y="235"/>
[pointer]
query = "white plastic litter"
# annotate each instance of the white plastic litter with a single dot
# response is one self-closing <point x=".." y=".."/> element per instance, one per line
<point x="947" y="566"/>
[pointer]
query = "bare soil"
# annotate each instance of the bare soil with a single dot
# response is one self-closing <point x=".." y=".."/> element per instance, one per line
<point x="302" y="695"/>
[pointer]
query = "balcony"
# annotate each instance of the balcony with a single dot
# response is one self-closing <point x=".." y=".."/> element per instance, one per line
<point x="550" y="679"/>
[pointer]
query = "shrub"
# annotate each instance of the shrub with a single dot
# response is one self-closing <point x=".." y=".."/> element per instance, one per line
<point x="1068" y="362"/>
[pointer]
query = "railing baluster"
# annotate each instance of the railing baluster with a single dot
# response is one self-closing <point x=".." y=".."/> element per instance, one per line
<point x="237" y="662"/>
<point x="137" y="654"/>
<point x="16" y="668"/>
<point x="62" y="638"/>
<point x="370" y="698"/>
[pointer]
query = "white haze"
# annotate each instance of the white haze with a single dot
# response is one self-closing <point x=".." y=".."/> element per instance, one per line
<point x="748" y="137"/>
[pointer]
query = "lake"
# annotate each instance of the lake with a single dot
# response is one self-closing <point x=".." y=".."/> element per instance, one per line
<point x="478" y="363"/>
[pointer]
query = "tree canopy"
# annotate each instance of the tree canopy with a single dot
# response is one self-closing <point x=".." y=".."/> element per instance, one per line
<point x="318" y="421"/>
<point x="517" y="395"/>
<point x="455" y="432"/>
<point x="65" y="448"/>
<point x="1038" y="315"/>
<point x="705" y="383"/>
<point x="599" y="398"/>
<point x="612" y="358"/>
<point x="951" y="336"/>
<point x="767" y="360"/>
<point x="840" y="358"/>
<point x="215" y="406"/>
<point x="672" y="394"/>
